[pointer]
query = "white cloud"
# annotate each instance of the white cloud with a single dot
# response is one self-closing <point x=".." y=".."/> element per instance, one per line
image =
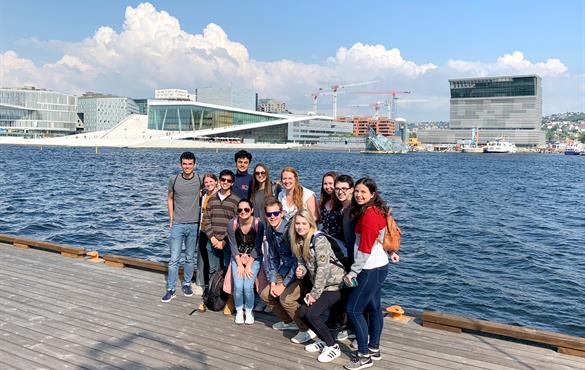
<point x="378" y="58"/>
<point x="510" y="63"/>
<point x="153" y="51"/>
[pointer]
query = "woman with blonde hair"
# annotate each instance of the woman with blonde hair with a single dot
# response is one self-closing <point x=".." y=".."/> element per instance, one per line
<point x="294" y="196"/>
<point x="315" y="256"/>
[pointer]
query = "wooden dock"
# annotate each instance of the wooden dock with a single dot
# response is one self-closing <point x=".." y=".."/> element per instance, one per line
<point x="68" y="313"/>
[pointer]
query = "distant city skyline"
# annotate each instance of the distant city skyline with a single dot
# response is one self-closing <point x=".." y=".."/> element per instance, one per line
<point x="287" y="51"/>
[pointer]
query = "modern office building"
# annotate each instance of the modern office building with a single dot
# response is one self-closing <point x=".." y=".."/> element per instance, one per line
<point x="508" y="107"/>
<point x="271" y="106"/>
<point x="361" y="124"/>
<point x="227" y="96"/>
<point x="102" y="112"/>
<point x="32" y="112"/>
<point x="196" y="120"/>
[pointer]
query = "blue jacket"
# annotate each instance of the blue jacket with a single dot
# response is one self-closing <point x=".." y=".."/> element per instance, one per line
<point x="242" y="185"/>
<point x="280" y="258"/>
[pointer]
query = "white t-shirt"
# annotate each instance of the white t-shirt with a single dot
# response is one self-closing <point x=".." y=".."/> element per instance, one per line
<point x="289" y="211"/>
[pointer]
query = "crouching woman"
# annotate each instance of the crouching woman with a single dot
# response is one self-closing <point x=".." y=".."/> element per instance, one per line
<point x="245" y="234"/>
<point x="315" y="257"/>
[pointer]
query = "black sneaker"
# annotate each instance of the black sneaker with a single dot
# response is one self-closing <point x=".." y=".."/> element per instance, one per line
<point x="375" y="354"/>
<point x="359" y="361"/>
<point x="170" y="294"/>
<point x="187" y="291"/>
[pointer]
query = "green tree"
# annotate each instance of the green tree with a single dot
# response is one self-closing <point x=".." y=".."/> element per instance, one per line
<point x="582" y="137"/>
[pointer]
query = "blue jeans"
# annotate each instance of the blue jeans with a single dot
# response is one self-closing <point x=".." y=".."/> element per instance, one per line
<point x="365" y="299"/>
<point x="243" y="289"/>
<point x="218" y="258"/>
<point x="182" y="234"/>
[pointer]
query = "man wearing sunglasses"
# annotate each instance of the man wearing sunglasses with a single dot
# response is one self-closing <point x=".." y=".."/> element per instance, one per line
<point x="221" y="208"/>
<point x="183" y="206"/>
<point x="284" y="291"/>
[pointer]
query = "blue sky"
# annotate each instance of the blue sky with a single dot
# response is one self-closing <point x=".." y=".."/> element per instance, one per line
<point x="288" y="49"/>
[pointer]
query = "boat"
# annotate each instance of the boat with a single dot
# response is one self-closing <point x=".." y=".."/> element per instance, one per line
<point x="472" y="146"/>
<point x="573" y="149"/>
<point x="499" y="145"/>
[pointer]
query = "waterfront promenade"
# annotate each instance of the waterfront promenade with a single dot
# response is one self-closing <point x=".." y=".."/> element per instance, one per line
<point x="65" y="313"/>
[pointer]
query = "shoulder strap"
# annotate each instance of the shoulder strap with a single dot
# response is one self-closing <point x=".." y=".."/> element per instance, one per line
<point x="174" y="182"/>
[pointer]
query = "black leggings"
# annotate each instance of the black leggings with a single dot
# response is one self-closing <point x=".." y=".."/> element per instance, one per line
<point x="311" y="315"/>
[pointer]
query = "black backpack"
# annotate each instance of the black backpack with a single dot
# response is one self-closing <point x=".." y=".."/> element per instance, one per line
<point x="216" y="298"/>
<point x="339" y="250"/>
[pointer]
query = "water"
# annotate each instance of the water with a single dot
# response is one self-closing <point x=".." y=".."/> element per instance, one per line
<point x="497" y="237"/>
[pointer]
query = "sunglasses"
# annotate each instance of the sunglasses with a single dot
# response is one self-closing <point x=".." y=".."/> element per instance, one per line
<point x="244" y="210"/>
<point x="223" y="179"/>
<point x="260" y="173"/>
<point x="275" y="214"/>
<point x="342" y="190"/>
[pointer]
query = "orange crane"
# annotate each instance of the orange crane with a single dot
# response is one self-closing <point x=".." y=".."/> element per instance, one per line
<point x="391" y="102"/>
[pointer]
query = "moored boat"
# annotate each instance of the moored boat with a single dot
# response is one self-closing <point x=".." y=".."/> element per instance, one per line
<point x="499" y="145"/>
<point x="574" y="149"/>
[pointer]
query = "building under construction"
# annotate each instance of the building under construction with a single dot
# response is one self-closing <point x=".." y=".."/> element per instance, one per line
<point x="383" y="125"/>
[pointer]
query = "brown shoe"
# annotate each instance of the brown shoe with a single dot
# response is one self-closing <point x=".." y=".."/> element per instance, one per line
<point x="229" y="308"/>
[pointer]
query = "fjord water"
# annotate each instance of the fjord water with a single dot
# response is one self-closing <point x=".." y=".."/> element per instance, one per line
<point x="497" y="237"/>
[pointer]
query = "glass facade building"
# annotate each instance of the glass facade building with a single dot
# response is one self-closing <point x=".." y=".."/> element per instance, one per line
<point x="199" y="120"/>
<point x="142" y="105"/>
<point x="164" y="115"/>
<point x="509" y="107"/>
<point x="37" y="113"/>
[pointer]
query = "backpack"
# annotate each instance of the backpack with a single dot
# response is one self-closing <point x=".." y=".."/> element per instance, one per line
<point x="339" y="250"/>
<point x="391" y="242"/>
<point x="216" y="298"/>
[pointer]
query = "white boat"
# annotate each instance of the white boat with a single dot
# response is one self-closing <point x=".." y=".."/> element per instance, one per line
<point x="573" y="149"/>
<point x="471" y="148"/>
<point x="499" y="145"/>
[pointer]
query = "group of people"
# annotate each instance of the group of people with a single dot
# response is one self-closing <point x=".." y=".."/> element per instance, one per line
<point x="304" y="255"/>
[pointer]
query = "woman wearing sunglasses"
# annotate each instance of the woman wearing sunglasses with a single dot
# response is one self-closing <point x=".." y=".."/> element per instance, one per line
<point x="245" y="234"/>
<point x="261" y="188"/>
<point x="315" y="256"/>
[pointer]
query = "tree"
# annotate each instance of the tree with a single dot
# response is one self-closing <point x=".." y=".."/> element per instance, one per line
<point x="582" y="137"/>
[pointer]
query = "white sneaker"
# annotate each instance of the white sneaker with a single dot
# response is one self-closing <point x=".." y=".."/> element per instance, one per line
<point x="239" y="317"/>
<point x="315" y="347"/>
<point x="345" y="334"/>
<point x="329" y="353"/>
<point x="281" y="325"/>
<point x="249" y="317"/>
<point x="303" y="337"/>
<point x="261" y="306"/>
<point x="197" y="290"/>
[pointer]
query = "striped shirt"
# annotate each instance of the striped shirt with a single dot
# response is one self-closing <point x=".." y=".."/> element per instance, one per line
<point x="218" y="214"/>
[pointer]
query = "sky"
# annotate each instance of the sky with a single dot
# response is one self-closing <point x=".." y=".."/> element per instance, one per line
<point x="287" y="50"/>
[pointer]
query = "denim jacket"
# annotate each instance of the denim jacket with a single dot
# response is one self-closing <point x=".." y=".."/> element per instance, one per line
<point x="280" y="258"/>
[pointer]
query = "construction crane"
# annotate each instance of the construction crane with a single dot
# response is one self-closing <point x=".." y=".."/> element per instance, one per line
<point x="377" y="105"/>
<point x="391" y="103"/>
<point x="315" y="95"/>
<point x="336" y="88"/>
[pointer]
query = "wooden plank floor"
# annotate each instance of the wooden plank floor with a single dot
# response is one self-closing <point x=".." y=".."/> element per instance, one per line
<point x="63" y="313"/>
